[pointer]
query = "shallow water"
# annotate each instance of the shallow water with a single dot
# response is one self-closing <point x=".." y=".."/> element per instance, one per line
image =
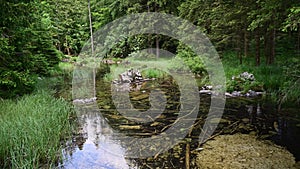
<point x="96" y="148"/>
<point x="98" y="143"/>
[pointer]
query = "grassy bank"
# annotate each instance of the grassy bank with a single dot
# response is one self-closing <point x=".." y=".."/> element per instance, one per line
<point x="31" y="130"/>
<point x="279" y="80"/>
<point x="272" y="76"/>
<point x="156" y="68"/>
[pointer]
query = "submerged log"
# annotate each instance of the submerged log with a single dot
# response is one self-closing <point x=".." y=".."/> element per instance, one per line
<point x="127" y="127"/>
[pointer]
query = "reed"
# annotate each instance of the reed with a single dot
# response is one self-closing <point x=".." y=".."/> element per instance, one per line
<point x="31" y="130"/>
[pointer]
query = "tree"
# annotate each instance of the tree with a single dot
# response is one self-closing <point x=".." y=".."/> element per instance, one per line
<point x="69" y="19"/>
<point x="292" y="23"/>
<point x="268" y="17"/>
<point x="27" y="49"/>
<point x="233" y="25"/>
<point x="107" y="11"/>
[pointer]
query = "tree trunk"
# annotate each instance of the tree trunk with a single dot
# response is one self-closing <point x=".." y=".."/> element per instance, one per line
<point x="91" y="27"/>
<point x="298" y="43"/>
<point x="267" y="46"/>
<point x="238" y="48"/>
<point x="187" y="156"/>
<point x="68" y="51"/>
<point x="257" y="47"/>
<point x="157" y="46"/>
<point x="149" y="36"/>
<point x="272" y="46"/>
<point x="92" y="48"/>
<point x="272" y="36"/>
<point x="246" y="43"/>
<point x="157" y="38"/>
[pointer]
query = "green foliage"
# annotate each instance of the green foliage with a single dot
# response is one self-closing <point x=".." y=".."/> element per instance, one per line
<point x="106" y="11"/>
<point x="196" y="65"/>
<point x="31" y="130"/>
<point x="270" y="76"/>
<point x="245" y="25"/>
<point x="69" y="24"/>
<point x="31" y="30"/>
<point x="290" y="92"/>
<point x="293" y="20"/>
<point x="243" y="85"/>
<point x="177" y="64"/>
<point x="153" y="73"/>
<point x="27" y="49"/>
<point x="281" y="79"/>
<point x="143" y="56"/>
<point x="102" y="70"/>
<point x="17" y="83"/>
<point x="191" y="60"/>
<point x="290" y="88"/>
<point x="221" y="20"/>
<point x="108" y="77"/>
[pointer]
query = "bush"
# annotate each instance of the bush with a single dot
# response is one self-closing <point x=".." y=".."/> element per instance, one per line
<point x="193" y="61"/>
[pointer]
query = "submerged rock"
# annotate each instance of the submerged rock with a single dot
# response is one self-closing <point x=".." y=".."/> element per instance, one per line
<point x="205" y="92"/>
<point x="84" y="101"/>
<point x="250" y="93"/>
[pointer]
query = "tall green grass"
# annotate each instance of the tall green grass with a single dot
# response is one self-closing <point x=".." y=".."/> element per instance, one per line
<point x="153" y="73"/>
<point x="279" y="79"/>
<point x="272" y="76"/>
<point x="31" y="130"/>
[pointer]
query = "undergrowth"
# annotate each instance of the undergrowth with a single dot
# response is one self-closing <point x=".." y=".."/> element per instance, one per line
<point x="33" y="126"/>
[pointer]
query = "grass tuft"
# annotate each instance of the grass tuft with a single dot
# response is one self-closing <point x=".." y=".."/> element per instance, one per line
<point x="31" y="130"/>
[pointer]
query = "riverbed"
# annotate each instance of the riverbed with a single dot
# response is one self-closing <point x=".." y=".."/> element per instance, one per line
<point x="101" y="140"/>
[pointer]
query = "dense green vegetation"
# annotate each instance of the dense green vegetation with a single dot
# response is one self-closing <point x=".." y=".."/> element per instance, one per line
<point x="32" y="129"/>
<point x="280" y="79"/>
<point x="262" y="37"/>
<point x="34" y="126"/>
<point x="34" y="36"/>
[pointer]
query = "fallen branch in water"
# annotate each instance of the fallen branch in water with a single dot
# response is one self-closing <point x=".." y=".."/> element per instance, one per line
<point x="187" y="156"/>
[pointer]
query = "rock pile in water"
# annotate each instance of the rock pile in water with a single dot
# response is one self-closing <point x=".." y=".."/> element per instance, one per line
<point x="238" y="83"/>
<point x="129" y="80"/>
<point x="130" y="76"/>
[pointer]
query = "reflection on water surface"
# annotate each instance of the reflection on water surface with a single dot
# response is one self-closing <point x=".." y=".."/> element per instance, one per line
<point x="97" y="145"/>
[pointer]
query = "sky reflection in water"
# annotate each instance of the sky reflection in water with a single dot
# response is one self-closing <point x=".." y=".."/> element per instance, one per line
<point x="100" y="150"/>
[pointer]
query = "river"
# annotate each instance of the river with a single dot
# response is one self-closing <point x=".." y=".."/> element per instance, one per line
<point x="99" y="144"/>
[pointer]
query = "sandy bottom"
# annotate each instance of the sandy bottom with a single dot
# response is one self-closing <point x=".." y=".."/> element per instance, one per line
<point x="243" y="151"/>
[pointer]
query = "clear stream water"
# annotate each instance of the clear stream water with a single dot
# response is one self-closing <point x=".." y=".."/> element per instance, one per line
<point x="97" y="145"/>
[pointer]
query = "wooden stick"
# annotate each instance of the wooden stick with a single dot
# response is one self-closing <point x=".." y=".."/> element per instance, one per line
<point x="187" y="156"/>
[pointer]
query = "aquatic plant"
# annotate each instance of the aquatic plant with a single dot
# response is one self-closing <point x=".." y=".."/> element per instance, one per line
<point x="32" y="129"/>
